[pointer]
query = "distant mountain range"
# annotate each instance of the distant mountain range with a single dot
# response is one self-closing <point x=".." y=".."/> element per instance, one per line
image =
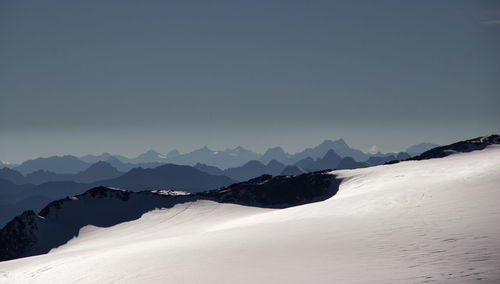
<point x="6" y="164"/>
<point x="36" y="182"/>
<point x="168" y="176"/>
<point x="95" y="172"/>
<point x="247" y="171"/>
<point x="229" y="158"/>
<point x="150" y="156"/>
<point x="331" y="160"/>
<point x="19" y="193"/>
<point x="62" y="165"/>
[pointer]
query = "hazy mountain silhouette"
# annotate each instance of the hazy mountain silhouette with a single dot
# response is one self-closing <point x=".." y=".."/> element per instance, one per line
<point x="17" y="198"/>
<point x="94" y="159"/>
<point x="167" y="176"/>
<point x="7" y="189"/>
<point x="173" y="153"/>
<point x="209" y="169"/>
<point x="247" y="171"/>
<point x="221" y="159"/>
<point x="9" y="210"/>
<point x="229" y="158"/>
<point x="378" y="160"/>
<point x="339" y="146"/>
<point x="402" y="156"/>
<point x="350" y="163"/>
<point x="8" y="165"/>
<point x="306" y="163"/>
<point x="98" y="171"/>
<point x="56" y="189"/>
<point x="329" y="161"/>
<point x="41" y="176"/>
<point x="58" y="164"/>
<point x="14" y="199"/>
<point x="254" y="169"/>
<point x="12" y="176"/>
<point x="276" y="153"/>
<point x="150" y="156"/>
<point x="95" y="172"/>
<point x="225" y="159"/>
<point x="274" y="167"/>
<point x="125" y="167"/>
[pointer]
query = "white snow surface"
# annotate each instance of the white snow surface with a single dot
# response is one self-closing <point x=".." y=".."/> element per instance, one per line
<point x="426" y="221"/>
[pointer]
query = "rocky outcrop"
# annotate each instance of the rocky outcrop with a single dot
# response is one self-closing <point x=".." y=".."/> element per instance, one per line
<point x="18" y="236"/>
<point x="478" y="143"/>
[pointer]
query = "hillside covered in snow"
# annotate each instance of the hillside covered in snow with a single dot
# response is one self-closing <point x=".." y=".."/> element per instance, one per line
<point x="431" y="220"/>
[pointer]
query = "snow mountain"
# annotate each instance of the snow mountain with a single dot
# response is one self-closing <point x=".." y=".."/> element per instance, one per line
<point x="32" y="234"/>
<point x="418" y="221"/>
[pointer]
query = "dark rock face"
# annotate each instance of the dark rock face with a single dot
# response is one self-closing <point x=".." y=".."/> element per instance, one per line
<point x="18" y="236"/>
<point x="31" y="234"/>
<point x="478" y="143"/>
<point x="278" y="192"/>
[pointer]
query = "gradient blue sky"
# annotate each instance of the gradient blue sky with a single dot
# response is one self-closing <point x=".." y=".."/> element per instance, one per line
<point x="81" y="77"/>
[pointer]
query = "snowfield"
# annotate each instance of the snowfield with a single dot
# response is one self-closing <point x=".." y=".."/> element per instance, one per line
<point x="425" y="221"/>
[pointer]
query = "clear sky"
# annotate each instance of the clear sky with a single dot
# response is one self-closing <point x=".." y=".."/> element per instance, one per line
<point x="81" y="77"/>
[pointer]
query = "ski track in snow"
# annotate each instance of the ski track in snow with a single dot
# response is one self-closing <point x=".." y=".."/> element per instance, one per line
<point x="433" y="221"/>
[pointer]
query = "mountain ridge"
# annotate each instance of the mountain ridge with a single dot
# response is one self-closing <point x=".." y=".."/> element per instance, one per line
<point x="32" y="234"/>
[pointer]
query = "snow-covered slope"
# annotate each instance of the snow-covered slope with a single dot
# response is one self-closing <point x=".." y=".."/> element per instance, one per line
<point x="413" y="222"/>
